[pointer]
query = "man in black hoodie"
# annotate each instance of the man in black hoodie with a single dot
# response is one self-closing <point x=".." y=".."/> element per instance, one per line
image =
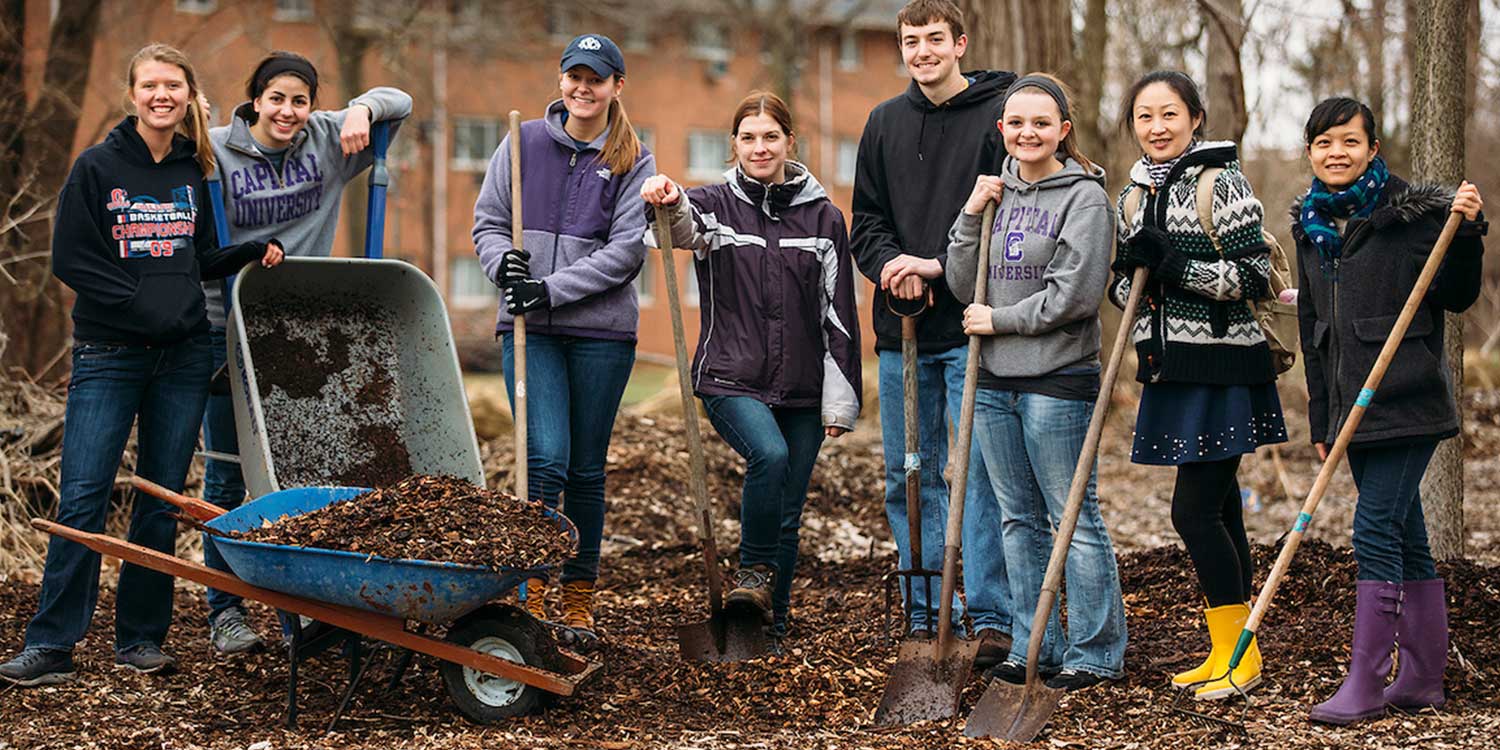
<point x="918" y="159"/>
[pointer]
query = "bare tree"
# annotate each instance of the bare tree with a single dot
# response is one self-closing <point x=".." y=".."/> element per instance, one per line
<point x="1438" y="49"/>
<point x="36" y="144"/>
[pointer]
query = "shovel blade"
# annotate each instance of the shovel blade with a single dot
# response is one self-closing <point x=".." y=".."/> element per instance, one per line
<point x="1012" y="712"/>
<point x="924" y="684"/>
<point x="723" y="638"/>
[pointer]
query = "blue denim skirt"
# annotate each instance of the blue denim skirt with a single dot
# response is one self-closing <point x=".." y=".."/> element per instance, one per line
<point x="1181" y="423"/>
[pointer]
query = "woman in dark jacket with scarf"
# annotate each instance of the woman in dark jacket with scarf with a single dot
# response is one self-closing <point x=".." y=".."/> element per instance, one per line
<point x="1363" y="235"/>
<point x="778" y="361"/>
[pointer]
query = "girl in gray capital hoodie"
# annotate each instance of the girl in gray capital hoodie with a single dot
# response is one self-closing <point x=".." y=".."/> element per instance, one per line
<point x="1039" y="375"/>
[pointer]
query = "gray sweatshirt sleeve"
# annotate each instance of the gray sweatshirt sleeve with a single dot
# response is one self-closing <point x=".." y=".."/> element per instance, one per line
<point x="619" y="258"/>
<point x="492" y="213"/>
<point x="962" y="269"/>
<point x="1074" y="280"/>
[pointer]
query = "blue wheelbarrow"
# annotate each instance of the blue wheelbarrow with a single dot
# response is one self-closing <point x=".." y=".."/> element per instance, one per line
<point x="496" y="661"/>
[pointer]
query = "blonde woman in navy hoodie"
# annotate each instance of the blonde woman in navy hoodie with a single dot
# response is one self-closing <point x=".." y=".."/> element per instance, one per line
<point x="134" y="239"/>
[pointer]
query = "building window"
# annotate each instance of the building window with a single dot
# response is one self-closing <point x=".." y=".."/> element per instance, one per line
<point x="645" y="280"/>
<point x="709" y="41"/>
<point x="197" y="6"/>
<point x="849" y="51"/>
<point x="708" y="152"/>
<point x="474" y="141"/>
<point x="468" y="287"/>
<point x="293" y="10"/>
<point x="647" y="137"/>
<point x="847" y="157"/>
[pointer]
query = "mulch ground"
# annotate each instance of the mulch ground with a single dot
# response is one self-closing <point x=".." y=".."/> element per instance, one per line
<point x="820" y="693"/>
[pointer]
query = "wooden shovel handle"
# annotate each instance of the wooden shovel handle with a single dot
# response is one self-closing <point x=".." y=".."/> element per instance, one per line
<point x="663" y="232"/>
<point x="1346" y="434"/>
<point x="202" y="510"/>
<point x="1082" y="471"/>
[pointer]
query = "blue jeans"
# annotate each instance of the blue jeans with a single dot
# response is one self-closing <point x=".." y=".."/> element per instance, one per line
<point x="1031" y="445"/>
<point x="780" y="446"/>
<point x="223" y="485"/>
<point x="573" y="388"/>
<point x="1390" y="534"/>
<point x="940" y="383"/>
<point x="111" y="386"/>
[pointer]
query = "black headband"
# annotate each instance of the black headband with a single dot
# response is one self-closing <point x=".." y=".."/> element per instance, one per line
<point x="276" y="66"/>
<point x="1047" y="85"/>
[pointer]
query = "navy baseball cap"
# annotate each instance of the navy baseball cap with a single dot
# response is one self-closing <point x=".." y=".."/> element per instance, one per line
<point x="596" y="51"/>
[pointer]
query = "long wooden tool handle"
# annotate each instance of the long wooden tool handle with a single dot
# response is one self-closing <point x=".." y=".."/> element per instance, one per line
<point x="389" y="629"/>
<point x="199" y="509"/>
<point x="518" y="335"/>
<point x="1082" y="472"/>
<point x="1346" y="435"/>
<point x="699" y="483"/>
<point x="959" y="486"/>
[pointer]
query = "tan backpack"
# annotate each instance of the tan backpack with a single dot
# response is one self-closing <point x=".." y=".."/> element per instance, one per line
<point x="1277" y="319"/>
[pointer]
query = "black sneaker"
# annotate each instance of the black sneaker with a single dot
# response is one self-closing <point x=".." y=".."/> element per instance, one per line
<point x="36" y="666"/>
<point x="1069" y="680"/>
<point x="146" y="658"/>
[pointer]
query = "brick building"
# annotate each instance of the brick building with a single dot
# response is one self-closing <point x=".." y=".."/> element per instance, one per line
<point x="689" y="63"/>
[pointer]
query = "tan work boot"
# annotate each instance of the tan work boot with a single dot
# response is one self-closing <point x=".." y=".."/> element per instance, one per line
<point x="534" y="600"/>
<point x="752" y="590"/>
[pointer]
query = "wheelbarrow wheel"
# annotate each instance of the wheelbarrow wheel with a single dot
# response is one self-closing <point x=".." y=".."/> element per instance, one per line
<point x="482" y="697"/>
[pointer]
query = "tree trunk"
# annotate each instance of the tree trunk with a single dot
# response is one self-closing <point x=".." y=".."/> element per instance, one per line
<point x="1438" y="156"/>
<point x="38" y="149"/>
<point x="1228" y="115"/>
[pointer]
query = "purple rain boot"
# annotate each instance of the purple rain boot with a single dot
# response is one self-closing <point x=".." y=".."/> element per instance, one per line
<point x="1422" y="645"/>
<point x="1376" y="609"/>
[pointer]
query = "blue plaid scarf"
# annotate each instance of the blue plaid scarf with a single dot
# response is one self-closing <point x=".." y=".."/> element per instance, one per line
<point x="1321" y="207"/>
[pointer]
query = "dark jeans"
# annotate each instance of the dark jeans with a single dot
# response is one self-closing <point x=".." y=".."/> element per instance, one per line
<point x="1390" y="534"/>
<point x="223" y="485"/>
<point x="780" y="446"/>
<point x="573" y="390"/>
<point x="111" y="387"/>
<point x="1207" y="514"/>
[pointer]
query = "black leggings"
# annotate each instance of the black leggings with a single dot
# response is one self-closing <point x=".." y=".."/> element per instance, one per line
<point x="1206" y="514"/>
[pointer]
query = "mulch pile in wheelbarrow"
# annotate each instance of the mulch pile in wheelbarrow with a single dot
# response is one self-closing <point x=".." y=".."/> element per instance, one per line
<point x="441" y="519"/>
<point x="325" y="374"/>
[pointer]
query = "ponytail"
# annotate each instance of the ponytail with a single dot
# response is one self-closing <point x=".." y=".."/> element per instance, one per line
<point x="622" y="149"/>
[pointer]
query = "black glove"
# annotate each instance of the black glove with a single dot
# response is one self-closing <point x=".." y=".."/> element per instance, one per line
<point x="515" y="265"/>
<point x="526" y="295"/>
<point x="1145" y="248"/>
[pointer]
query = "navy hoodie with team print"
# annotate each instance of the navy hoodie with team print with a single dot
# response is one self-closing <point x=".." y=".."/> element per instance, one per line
<point x="134" y="239"/>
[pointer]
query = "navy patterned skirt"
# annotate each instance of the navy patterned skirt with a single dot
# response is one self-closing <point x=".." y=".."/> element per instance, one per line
<point x="1181" y="423"/>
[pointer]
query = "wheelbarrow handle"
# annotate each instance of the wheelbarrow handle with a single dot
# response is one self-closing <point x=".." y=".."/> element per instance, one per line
<point x="199" y="509"/>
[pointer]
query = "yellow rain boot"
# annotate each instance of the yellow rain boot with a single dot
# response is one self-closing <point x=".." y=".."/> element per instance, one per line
<point x="534" y="598"/>
<point x="1224" y="627"/>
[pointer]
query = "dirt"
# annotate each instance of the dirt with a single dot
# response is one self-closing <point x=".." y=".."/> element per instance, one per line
<point x="439" y="519"/>
<point x="327" y="372"/>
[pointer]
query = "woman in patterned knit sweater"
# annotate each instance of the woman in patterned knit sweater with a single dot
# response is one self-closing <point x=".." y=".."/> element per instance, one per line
<point x="1210" y="383"/>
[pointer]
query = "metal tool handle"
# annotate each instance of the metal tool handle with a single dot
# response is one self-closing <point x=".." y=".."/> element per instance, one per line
<point x="518" y="334"/>
<point x="699" y="481"/>
<point x="1082" y="471"/>
<point x="380" y="177"/>
<point x="959" y="484"/>
<point x="1346" y="435"/>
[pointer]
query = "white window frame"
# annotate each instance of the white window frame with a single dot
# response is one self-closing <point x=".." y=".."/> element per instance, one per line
<point x="706" y="171"/>
<point x="474" y="161"/>
<point x="846" y="159"/>
<point x="303" y="10"/>
<point x="199" y="7"/>
<point x="465" y="276"/>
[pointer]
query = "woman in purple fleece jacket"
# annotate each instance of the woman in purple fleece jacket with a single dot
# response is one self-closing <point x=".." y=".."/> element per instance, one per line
<point x="778" y="358"/>
<point x="582" y="167"/>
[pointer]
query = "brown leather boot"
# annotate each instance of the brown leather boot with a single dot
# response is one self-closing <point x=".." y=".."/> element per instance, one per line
<point x="535" y="598"/>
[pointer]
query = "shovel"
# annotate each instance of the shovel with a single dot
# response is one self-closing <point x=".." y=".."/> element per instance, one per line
<point x="929" y="675"/>
<point x="1018" y="712"/>
<point x="725" y="636"/>
<point x="1325" y="474"/>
